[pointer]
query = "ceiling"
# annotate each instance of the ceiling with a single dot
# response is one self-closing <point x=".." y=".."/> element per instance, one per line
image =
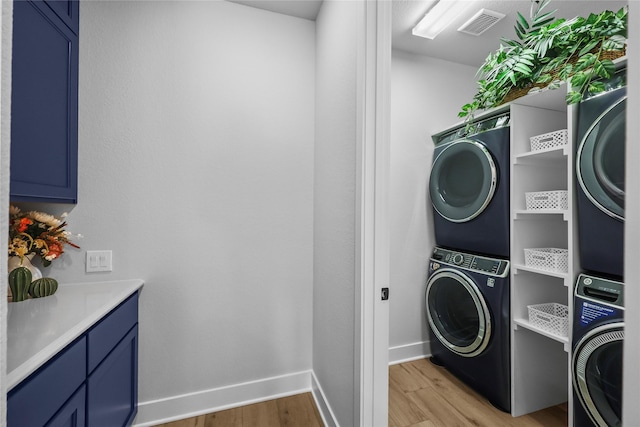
<point x="450" y="45"/>
<point x="306" y="9"/>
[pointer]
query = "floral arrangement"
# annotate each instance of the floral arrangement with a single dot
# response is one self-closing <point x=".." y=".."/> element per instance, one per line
<point x="37" y="233"/>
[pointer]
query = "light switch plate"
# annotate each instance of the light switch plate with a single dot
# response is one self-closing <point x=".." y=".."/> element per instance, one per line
<point x="99" y="261"/>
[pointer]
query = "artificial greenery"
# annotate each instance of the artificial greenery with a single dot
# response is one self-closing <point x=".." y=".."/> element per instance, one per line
<point x="548" y="51"/>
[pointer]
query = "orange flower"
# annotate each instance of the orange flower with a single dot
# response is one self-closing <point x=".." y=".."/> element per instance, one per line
<point x="24" y="224"/>
<point x="55" y="250"/>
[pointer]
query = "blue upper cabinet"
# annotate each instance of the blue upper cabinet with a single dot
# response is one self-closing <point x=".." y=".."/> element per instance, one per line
<point x="44" y="104"/>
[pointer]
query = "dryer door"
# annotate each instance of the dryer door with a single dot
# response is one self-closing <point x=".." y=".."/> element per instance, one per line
<point x="457" y="312"/>
<point x="600" y="161"/>
<point x="597" y="374"/>
<point x="463" y="180"/>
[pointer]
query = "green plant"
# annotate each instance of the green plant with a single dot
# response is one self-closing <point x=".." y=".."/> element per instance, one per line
<point x="548" y="51"/>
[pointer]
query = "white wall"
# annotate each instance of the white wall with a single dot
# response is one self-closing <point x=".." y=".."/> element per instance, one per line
<point x="335" y="202"/>
<point x="426" y="95"/>
<point x="6" y="22"/>
<point x="196" y="169"/>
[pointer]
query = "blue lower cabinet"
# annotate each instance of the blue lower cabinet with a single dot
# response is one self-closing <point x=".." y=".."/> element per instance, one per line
<point x="112" y="388"/>
<point x="37" y="399"/>
<point x="93" y="382"/>
<point x="72" y="413"/>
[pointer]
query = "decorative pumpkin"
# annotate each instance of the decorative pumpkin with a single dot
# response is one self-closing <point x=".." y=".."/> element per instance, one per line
<point x="43" y="287"/>
<point x="19" y="282"/>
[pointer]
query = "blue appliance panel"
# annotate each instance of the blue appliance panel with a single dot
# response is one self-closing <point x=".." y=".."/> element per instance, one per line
<point x="600" y="162"/>
<point x="467" y="303"/>
<point x="469" y="189"/>
<point x="598" y="336"/>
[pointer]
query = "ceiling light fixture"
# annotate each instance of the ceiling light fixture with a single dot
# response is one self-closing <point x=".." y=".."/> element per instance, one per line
<point x="440" y="17"/>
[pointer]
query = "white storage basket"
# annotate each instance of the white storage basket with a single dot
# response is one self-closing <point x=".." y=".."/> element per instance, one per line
<point x="552" y="259"/>
<point x="549" y="140"/>
<point x="551" y="317"/>
<point x="547" y="200"/>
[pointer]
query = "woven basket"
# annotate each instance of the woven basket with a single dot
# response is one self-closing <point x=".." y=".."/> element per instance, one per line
<point x="553" y="139"/>
<point x="517" y="92"/>
<point x="547" y="200"/>
<point x="550" y="259"/>
<point x="551" y="317"/>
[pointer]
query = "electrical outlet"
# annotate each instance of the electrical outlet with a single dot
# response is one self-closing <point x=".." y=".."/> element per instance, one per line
<point x="99" y="261"/>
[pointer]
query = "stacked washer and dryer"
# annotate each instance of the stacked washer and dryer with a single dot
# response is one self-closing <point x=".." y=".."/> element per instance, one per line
<point x="598" y="324"/>
<point x="467" y="292"/>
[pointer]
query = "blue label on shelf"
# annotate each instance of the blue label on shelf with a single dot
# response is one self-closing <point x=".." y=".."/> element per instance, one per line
<point x="590" y="312"/>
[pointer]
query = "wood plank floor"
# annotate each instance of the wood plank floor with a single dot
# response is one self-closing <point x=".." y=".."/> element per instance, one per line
<point x="424" y="395"/>
<point x="420" y="395"/>
<point x="299" y="410"/>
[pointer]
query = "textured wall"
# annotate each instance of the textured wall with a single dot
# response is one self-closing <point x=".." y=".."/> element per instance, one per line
<point x="426" y="95"/>
<point x="335" y="202"/>
<point x="6" y="21"/>
<point x="196" y="169"/>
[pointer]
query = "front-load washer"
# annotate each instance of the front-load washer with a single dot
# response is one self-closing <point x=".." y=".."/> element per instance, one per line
<point x="600" y="168"/>
<point x="598" y="335"/>
<point x="469" y="187"/>
<point x="467" y="307"/>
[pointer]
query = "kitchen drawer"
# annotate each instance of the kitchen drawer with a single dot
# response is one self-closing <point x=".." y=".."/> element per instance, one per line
<point x="103" y="337"/>
<point x="39" y="397"/>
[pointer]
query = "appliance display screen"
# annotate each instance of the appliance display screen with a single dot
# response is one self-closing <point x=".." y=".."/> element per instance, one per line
<point x="484" y="264"/>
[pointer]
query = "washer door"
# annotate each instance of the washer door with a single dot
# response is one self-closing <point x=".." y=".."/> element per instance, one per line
<point x="597" y="374"/>
<point x="457" y="312"/>
<point x="600" y="161"/>
<point x="463" y="180"/>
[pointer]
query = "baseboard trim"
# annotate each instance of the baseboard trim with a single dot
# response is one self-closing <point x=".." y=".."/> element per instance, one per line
<point x="328" y="417"/>
<point x="189" y="405"/>
<point x="409" y="352"/>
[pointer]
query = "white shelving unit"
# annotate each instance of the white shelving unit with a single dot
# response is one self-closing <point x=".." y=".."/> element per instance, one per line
<point x="540" y="359"/>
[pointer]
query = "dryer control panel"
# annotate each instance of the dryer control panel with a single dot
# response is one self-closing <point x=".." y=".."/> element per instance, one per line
<point x="493" y="266"/>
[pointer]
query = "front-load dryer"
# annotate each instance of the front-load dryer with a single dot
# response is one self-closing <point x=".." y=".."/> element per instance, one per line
<point x="600" y="168"/>
<point x="598" y="335"/>
<point x="469" y="187"/>
<point x="467" y="306"/>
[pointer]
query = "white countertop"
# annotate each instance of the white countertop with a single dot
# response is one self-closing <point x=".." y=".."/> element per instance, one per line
<point x="39" y="328"/>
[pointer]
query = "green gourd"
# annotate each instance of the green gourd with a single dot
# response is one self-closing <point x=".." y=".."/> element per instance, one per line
<point x="43" y="287"/>
<point x="19" y="282"/>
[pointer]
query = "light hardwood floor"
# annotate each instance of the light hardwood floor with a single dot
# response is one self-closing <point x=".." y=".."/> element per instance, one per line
<point x="298" y="410"/>
<point x="424" y="395"/>
<point x="420" y="395"/>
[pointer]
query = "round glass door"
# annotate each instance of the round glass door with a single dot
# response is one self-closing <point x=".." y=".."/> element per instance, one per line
<point x="600" y="161"/>
<point x="463" y="180"/>
<point x="457" y="313"/>
<point x="597" y="374"/>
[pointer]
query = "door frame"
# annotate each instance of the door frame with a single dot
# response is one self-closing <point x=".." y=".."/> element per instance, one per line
<point x="373" y="182"/>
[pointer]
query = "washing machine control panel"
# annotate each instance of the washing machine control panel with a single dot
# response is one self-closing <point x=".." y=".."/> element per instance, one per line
<point x="492" y="266"/>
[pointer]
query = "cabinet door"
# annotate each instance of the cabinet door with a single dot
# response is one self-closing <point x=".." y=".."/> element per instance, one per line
<point x="44" y="106"/>
<point x="72" y="413"/>
<point x="112" y="394"/>
<point x="34" y="401"/>
<point x="67" y="11"/>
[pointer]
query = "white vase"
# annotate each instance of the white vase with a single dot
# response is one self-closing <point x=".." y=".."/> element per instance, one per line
<point x="15" y="262"/>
